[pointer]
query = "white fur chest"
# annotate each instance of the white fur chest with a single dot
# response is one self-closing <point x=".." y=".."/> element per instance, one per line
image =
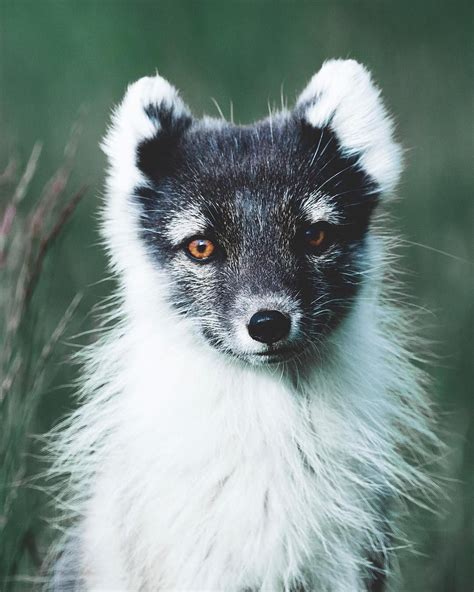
<point x="221" y="477"/>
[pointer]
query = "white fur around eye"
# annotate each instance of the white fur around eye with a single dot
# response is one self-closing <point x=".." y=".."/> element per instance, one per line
<point x="318" y="207"/>
<point x="189" y="222"/>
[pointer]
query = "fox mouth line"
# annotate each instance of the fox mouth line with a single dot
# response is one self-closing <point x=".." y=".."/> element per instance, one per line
<point x="274" y="356"/>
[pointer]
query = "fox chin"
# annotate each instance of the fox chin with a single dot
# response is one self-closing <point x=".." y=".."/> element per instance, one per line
<point x="249" y="422"/>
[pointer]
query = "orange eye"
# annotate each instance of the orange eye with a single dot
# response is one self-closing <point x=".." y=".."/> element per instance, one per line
<point x="318" y="239"/>
<point x="317" y="236"/>
<point x="201" y="248"/>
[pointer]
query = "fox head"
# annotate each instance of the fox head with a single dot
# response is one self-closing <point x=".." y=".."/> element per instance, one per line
<point x="258" y="235"/>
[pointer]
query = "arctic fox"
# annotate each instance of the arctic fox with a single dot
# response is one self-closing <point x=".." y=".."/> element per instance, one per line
<point x="246" y="424"/>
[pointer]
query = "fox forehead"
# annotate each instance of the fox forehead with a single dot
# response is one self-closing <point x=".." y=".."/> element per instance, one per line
<point x="247" y="210"/>
<point x="262" y="176"/>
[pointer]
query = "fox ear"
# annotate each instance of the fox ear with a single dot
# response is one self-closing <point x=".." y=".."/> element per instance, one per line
<point x="343" y="96"/>
<point x="145" y="131"/>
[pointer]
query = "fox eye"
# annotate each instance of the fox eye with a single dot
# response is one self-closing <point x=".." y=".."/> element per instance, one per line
<point x="200" y="248"/>
<point x="318" y="237"/>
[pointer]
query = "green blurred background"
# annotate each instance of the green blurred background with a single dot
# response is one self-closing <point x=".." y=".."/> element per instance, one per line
<point x="64" y="60"/>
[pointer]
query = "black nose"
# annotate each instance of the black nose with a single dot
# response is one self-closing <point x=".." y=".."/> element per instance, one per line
<point x="268" y="326"/>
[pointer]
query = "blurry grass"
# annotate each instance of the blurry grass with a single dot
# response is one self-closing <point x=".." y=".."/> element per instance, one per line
<point x="29" y="230"/>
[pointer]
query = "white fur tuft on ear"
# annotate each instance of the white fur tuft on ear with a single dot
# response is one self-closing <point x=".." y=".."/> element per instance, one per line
<point x="343" y="96"/>
<point x="131" y="124"/>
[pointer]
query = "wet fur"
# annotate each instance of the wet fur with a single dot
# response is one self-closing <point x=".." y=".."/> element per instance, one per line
<point x="193" y="467"/>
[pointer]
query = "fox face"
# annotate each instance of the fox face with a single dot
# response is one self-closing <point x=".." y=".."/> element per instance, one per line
<point x="261" y="231"/>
